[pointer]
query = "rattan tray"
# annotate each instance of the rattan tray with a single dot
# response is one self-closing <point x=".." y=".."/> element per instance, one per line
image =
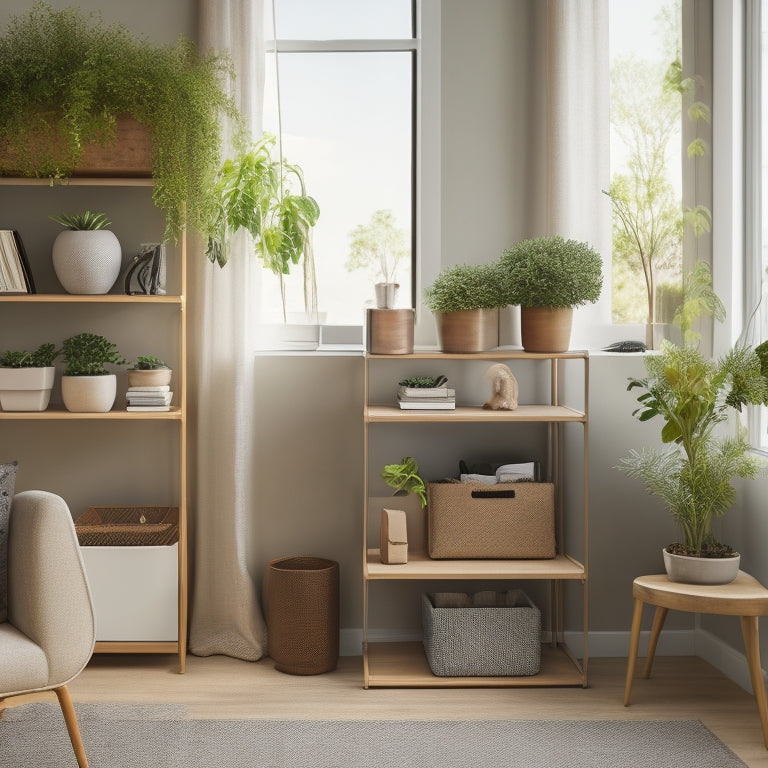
<point x="123" y="526"/>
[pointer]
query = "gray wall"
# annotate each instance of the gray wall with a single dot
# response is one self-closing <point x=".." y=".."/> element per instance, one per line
<point x="308" y="442"/>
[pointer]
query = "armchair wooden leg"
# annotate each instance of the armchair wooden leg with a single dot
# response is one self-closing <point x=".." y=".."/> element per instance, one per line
<point x="634" y="642"/>
<point x="749" y="628"/>
<point x="658" y="623"/>
<point x="70" y="719"/>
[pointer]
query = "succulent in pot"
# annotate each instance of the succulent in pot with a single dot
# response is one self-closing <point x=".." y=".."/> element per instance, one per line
<point x="87" y="255"/>
<point x="149" y="371"/>
<point x="548" y="277"/>
<point x="26" y="378"/>
<point x="87" y="386"/>
<point x="693" y="475"/>
<point x="465" y="300"/>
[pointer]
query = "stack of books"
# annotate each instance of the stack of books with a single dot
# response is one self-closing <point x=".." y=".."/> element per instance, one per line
<point x="156" y="398"/>
<point x="426" y="398"/>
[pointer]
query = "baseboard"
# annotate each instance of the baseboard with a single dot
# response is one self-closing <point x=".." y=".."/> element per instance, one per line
<point x="690" y="642"/>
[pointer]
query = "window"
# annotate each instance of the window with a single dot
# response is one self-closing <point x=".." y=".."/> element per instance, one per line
<point x="657" y="112"/>
<point x="346" y="73"/>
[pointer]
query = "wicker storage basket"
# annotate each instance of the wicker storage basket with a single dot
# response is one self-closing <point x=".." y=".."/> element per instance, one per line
<point x="487" y="634"/>
<point x="506" y="521"/>
<point x="301" y="607"/>
<point x="123" y="526"/>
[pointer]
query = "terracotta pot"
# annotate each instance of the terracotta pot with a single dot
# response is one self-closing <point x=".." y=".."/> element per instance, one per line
<point x="545" y="330"/>
<point x="701" y="570"/>
<point x="153" y="377"/>
<point x="472" y="330"/>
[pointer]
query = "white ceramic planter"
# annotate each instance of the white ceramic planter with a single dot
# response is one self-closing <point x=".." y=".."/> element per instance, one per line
<point x="87" y="261"/>
<point x="701" y="570"/>
<point x="26" y="389"/>
<point x="89" y="394"/>
<point x="156" y="377"/>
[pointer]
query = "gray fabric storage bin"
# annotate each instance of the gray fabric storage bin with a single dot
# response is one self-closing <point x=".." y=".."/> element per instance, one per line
<point x="486" y="634"/>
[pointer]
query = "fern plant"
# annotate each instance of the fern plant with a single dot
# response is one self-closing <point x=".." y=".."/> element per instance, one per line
<point x="692" y="395"/>
<point x="42" y="357"/>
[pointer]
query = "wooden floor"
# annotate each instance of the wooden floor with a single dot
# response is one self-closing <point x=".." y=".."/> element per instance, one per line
<point x="220" y="687"/>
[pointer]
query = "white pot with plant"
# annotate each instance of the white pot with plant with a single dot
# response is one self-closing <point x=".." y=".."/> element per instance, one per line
<point x="548" y="277"/>
<point x="26" y="378"/>
<point x="379" y="246"/>
<point x="87" y="386"/>
<point x="149" y="371"/>
<point x="465" y="300"/>
<point x="693" y="475"/>
<point x="86" y="256"/>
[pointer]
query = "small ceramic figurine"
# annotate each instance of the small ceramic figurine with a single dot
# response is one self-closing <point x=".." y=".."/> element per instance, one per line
<point x="503" y="388"/>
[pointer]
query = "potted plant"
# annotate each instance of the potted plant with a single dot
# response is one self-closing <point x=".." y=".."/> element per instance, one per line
<point x="86" y="385"/>
<point x="266" y="197"/>
<point x="693" y="475"/>
<point x="67" y="81"/>
<point x="465" y="300"/>
<point x="149" y="371"/>
<point x="26" y="378"/>
<point x="379" y="246"/>
<point x="548" y="277"/>
<point x="86" y="255"/>
<point x="404" y="478"/>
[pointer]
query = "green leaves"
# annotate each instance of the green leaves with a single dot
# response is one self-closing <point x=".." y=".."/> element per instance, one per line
<point x="42" y="357"/>
<point x="405" y="477"/>
<point x="83" y="221"/>
<point x="465" y="287"/>
<point x="87" y="353"/>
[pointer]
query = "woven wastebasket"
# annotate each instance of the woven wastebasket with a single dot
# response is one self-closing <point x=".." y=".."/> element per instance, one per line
<point x="301" y="606"/>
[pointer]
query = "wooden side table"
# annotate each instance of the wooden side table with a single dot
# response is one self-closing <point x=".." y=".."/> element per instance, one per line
<point x="744" y="597"/>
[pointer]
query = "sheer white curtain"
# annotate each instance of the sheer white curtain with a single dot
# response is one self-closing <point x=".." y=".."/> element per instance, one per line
<point x="225" y="613"/>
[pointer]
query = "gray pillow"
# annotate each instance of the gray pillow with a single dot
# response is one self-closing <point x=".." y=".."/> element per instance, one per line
<point x="7" y="482"/>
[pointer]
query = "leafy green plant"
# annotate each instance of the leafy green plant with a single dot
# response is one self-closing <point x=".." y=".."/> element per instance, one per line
<point x="465" y="287"/>
<point x="87" y="353"/>
<point x="423" y="382"/>
<point x="83" y="221"/>
<point x="379" y="246"/>
<point x="405" y="477"/>
<point x="148" y="363"/>
<point x="698" y="299"/>
<point x="551" y="272"/>
<point x="65" y="79"/>
<point x="42" y="357"/>
<point x="692" y="395"/>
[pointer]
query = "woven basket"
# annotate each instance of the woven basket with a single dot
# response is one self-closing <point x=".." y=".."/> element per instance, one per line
<point x="487" y="634"/>
<point x="505" y="521"/>
<point x="301" y="606"/>
<point x="123" y="526"/>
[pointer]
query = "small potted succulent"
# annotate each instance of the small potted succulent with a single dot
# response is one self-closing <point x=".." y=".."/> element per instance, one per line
<point x="86" y="256"/>
<point x="548" y="277"/>
<point x="26" y="378"/>
<point x="465" y="300"/>
<point x="87" y="386"/>
<point x="149" y="371"/>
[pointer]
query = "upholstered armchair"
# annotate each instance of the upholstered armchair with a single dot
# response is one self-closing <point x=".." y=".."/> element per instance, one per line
<point x="49" y="635"/>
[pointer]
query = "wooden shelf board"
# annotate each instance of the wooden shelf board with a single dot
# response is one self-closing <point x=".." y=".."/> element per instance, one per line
<point x="404" y="665"/>
<point x="55" y="414"/>
<point x="421" y="566"/>
<point x="102" y="298"/>
<point x="136" y="646"/>
<point x="500" y="353"/>
<point x="475" y="414"/>
<point x="78" y="181"/>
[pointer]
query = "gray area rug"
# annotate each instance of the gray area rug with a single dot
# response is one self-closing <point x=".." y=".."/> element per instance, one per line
<point x="162" y="737"/>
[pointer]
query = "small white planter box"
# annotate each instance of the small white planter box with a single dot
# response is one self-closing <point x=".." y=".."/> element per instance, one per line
<point x="135" y="592"/>
<point x="26" y="389"/>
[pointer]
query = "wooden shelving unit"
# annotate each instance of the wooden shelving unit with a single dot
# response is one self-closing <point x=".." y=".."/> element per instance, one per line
<point x="177" y="415"/>
<point x="404" y="664"/>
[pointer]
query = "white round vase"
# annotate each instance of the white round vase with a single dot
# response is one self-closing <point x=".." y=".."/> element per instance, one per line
<point x="87" y="261"/>
<point x="89" y="394"/>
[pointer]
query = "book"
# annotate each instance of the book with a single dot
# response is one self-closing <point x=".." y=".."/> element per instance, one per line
<point x="449" y="399"/>
<point x="425" y="392"/>
<point x="15" y="276"/>
<point x="154" y="388"/>
<point x="148" y="408"/>
<point x="425" y="405"/>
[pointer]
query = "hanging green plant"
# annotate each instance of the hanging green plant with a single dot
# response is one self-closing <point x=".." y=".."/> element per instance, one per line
<point x="66" y="78"/>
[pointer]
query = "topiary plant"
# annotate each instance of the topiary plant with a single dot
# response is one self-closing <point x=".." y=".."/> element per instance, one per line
<point x="551" y="272"/>
<point x="42" y="357"/>
<point x="466" y="287"/>
<point x="87" y="353"/>
<point x="66" y="78"/>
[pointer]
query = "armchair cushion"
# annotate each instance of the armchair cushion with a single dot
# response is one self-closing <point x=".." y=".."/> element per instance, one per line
<point x="23" y="664"/>
<point x="7" y="482"/>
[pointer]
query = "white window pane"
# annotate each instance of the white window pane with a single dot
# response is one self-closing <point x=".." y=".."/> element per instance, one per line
<point x="347" y="121"/>
<point x="342" y="19"/>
